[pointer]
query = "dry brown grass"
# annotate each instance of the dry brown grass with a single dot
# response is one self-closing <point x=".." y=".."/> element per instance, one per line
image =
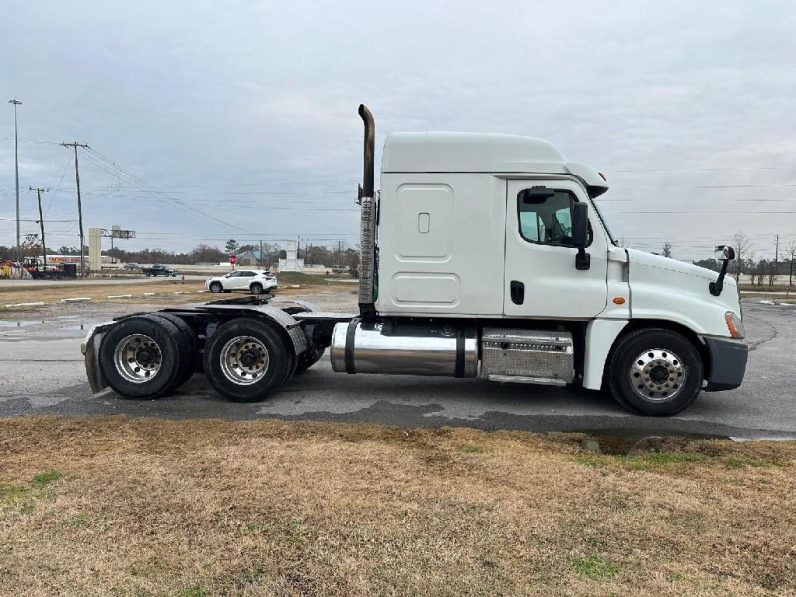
<point x="98" y="292"/>
<point x="145" y="507"/>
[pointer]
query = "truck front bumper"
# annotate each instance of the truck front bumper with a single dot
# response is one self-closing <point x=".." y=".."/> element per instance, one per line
<point x="727" y="363"/>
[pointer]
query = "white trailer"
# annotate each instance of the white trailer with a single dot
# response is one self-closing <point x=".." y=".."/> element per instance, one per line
<point x="481" y="256"/>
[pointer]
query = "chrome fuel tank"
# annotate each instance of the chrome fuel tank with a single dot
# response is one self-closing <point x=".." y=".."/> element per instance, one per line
<point x="408" y="349"/>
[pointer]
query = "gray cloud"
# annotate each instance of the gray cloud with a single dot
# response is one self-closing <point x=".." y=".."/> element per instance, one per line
<point x="246" y="110"/>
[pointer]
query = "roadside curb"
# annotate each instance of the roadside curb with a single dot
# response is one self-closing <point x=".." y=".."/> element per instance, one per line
<point x="117" y="296"/>
<point x="79" y="299"/>
<point x="12" y="305"/>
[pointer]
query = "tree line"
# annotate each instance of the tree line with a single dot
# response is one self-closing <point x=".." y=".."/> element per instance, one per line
<point x="201" y="254"/>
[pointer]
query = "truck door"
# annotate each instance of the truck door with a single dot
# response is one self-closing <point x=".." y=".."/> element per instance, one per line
<point x="540" y="276"/>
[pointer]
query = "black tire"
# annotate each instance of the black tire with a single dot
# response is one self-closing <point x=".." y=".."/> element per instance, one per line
<point x="238" y="387"/>
<point x="189" y="354"/>
<point x="653" y="385"/>
<point x="256" y="288"/>
<point x="164" y="336"/>
<point x="308" y="358"/>
<point x="216" y="287"/>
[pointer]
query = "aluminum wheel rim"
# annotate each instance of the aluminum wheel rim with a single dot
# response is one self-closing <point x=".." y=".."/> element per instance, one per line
<point x="137" y="358"/>
<point x="657" y="375"/>
<point x="244" y="360"/>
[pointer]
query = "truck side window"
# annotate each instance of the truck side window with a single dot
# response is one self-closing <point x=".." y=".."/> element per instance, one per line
<point x="546" y="219"/>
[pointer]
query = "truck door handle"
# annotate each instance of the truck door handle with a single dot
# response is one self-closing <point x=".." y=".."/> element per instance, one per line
<point x="517" y="292"/>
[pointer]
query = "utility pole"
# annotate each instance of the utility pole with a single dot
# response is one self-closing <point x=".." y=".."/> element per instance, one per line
<point x="16" y="172"/>
<point x="262" y="257"/>
<point x="339" y="250"/>
<point x="75" y="145"/>
<point x="41" y="222"/>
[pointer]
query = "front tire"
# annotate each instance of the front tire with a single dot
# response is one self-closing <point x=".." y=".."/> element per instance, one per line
<point x="216" y="287"/>
<point x="655" y="372"/>
<point x="246" y="360"/>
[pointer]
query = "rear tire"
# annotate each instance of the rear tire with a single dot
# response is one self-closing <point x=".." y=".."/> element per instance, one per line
<point x="189" y="354"/>
<point x="308" y="358"/>
<point x="246" y="360"/>
<point x="256" y="288"/>
<point x="655" y="372"/>
<point x="140" y="357"/>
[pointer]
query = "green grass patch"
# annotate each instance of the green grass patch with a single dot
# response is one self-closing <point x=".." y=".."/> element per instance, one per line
<point x="194" y="591"/>
<point x="594" y="567"/>
<point x="472" y="449"/>
<point x="10" y="493"/>
<point x="77" y="521"/>
<point x="741" y="462"/>
<point x="645" y="462"/>
<point x="43" y="479"/>
<point x="590" y="461"/>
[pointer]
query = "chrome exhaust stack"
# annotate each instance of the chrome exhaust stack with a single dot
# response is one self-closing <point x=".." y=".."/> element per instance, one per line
<point x="367" y="231"/>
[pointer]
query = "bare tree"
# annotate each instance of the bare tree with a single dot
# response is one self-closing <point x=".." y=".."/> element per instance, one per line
<point x="772" y="273"/>
<point x="667" y="249"/>
<point x="791" y="250"/>
<point x="31" y="246"/>
<point x="759" y="272"/>
<point x="743" y="250"/>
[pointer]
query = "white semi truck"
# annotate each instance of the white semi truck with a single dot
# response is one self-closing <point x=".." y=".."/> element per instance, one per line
<point x="482" y="256"/>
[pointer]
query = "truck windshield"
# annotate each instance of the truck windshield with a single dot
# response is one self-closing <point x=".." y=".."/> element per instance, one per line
<point x="603" y="222"/>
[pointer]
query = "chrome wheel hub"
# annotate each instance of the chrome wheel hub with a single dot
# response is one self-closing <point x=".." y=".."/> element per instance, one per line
<point x="244" y="360"/>
<point x="657" y="375"/>
<point x="137" y="358"/>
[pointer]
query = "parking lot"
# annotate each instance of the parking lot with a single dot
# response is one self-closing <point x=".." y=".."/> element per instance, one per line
<point x="41" y="372"/>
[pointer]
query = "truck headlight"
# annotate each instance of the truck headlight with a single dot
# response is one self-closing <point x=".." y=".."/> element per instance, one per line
<point x="734" y="325"/>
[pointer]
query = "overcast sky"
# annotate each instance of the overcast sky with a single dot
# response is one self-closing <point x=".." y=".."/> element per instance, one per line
<point x="238" y="119"/>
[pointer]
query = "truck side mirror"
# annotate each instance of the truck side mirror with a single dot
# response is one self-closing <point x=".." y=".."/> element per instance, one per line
<point x="580" y="232"/>
<point x="725" y="254"/>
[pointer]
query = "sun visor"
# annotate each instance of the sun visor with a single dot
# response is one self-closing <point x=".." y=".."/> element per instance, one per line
<point x="594" y="181"/>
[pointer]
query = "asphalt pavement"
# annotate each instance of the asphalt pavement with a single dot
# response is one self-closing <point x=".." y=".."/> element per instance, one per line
<point x="41" y="373"/>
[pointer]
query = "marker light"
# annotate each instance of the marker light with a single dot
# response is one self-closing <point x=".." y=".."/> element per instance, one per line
<point x="734" y="324"/>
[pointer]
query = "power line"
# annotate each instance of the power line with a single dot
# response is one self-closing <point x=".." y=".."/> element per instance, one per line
<point x="112" y="167"/>
<point x="743" y="169"/>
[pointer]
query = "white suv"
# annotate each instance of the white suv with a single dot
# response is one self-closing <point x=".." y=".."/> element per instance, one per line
<point x="255" y="281"/>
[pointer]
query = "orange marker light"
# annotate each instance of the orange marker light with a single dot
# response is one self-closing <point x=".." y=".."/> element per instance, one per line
<point x="619" y="300"/>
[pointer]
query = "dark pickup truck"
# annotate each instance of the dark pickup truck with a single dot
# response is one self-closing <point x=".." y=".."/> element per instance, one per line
<point x="159" y="270"/>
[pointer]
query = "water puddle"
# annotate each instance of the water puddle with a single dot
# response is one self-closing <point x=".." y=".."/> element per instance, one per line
<point x="627" y="443"/>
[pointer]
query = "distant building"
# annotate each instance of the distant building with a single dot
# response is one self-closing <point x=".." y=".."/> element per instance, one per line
<point x="291" y="262"/>
<point x="249" y="258"/>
